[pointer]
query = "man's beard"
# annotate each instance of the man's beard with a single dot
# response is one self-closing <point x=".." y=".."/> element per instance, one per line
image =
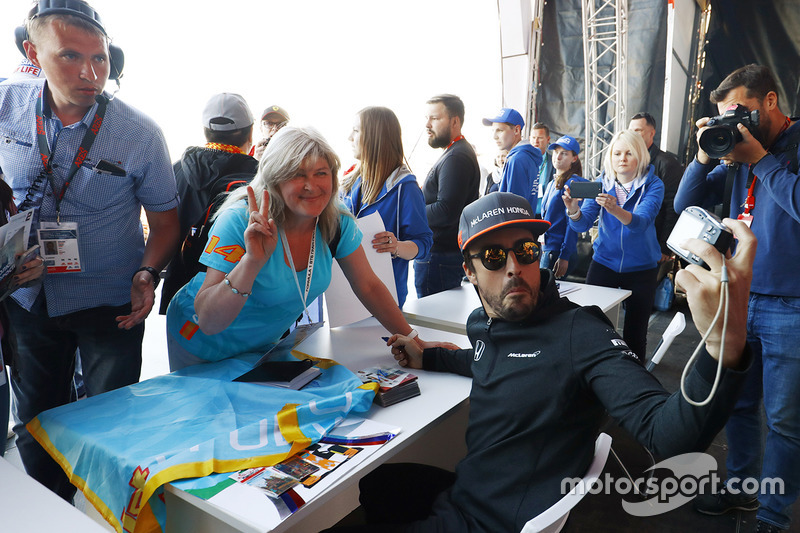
<point x="439" y="141"/>
<point x="512" y="313"/>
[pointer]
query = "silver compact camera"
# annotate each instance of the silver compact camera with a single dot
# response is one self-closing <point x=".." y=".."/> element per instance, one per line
<point x="697" y="223"/>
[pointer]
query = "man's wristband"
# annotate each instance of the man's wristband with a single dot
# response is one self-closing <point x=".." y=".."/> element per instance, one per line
<point x="153" y="272"/>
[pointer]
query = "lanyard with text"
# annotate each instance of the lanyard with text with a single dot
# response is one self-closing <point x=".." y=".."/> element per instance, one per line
<point x="750" y="201"/>
<point x="80" y="156"/>
<point x="453" y="142"/>
<point x="309" y="269"/>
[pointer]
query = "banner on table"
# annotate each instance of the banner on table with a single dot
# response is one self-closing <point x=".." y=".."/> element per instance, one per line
<point x="119" y="447"/>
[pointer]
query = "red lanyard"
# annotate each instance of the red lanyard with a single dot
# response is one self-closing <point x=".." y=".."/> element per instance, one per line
<point x="454" y="141"/>
<point x="80" y="155"/>
<point x="750" y="202"/>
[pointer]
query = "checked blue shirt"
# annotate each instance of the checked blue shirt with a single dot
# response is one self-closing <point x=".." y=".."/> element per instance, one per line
<point x="106" y="207"/>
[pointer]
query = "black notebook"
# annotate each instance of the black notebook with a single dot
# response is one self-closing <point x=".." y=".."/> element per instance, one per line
<point x="286" y="374"/>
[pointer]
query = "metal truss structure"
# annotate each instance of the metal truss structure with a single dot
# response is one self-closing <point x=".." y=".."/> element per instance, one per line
<point x="536" y="57"/>
<point x="605" y="45"/>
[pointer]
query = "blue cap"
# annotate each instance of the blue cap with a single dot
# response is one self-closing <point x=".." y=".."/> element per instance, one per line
<point x="567" y="143"/>
<point x="506" y="115"/>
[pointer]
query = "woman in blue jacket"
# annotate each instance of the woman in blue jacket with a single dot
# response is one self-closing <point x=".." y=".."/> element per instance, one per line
<point x="626" y="250"/>
<point x="381" y="182"/>
<point x="560" y="241"/>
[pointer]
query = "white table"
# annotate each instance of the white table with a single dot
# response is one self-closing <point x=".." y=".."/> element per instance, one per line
<point x="433" y="426"/>
<point x="449" y="310"/>
<point x="26" y="505"/>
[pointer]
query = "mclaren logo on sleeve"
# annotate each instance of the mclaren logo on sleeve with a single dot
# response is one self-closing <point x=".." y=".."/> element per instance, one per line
<point x="524" y="355"/>
<point x="479" y="347"/>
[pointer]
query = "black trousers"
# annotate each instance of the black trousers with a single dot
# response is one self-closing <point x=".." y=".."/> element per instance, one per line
<point x="400" y="497"/>
<point x="638" y="306"/>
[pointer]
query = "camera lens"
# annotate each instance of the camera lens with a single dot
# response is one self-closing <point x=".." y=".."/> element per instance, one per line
<point x="717" y="141"/>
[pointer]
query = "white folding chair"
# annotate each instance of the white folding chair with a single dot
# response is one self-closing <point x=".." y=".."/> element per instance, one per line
<point x="553" y="519"/>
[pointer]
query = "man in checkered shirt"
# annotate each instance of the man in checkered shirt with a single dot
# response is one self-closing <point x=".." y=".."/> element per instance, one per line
<point x="92" y="185"/>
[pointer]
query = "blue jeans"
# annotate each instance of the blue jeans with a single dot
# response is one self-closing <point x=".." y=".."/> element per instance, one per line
<point x="773" y="331"/>
<point x="44" y="364"/>
<point x="438" y="272"/>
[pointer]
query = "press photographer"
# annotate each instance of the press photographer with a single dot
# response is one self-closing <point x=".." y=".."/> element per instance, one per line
<point x="763" y="190"/>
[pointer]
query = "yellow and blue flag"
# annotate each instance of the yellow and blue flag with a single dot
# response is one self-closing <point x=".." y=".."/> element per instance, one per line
<point x="120" y="447"/>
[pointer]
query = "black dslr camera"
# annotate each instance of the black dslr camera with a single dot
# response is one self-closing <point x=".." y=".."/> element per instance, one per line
<point x="722" y="135"/>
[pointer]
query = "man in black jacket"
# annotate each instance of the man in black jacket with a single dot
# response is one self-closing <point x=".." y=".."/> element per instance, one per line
<point x="202" y="175"/>
<point x="452" y="183"/>
<point x="669" y="169"/>
<point x="545" y="371"/>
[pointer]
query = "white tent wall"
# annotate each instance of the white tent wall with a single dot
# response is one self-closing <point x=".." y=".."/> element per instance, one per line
<point x="517" y="60"/>
<point x="681" y="32"/>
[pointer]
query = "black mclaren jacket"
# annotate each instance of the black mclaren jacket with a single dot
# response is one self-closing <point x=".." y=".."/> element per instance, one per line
<point x="539" y="393"/>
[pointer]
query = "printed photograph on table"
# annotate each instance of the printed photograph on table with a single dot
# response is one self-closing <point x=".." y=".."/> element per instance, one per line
<point x="328" y="457"/>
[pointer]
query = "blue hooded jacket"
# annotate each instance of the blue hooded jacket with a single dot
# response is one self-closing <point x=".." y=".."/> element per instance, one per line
<point x="521" y="172"/>
<point x="626" y="248"/>
<point x="559" y="238"/>
<point x="402" y="208"/>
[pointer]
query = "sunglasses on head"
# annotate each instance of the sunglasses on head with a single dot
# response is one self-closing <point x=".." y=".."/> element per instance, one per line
<point x="494" y="257"/>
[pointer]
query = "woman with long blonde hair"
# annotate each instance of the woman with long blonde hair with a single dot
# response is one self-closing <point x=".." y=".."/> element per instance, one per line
<point x="626" y="250"/>
<point x="269" y="254"/>
<point x="381" y="182"/>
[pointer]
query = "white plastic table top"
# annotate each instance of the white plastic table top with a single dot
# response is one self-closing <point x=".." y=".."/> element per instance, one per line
<point x="26" y="505"/>
<point x="449" y="310"/>
<point x="444" y="396"/>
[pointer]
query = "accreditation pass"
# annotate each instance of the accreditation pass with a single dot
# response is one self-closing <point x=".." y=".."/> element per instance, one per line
<point x="58" y="245"/>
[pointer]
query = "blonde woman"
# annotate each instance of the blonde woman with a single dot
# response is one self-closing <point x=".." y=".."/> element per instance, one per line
<point x="626" y="251"/>
<point x="269" y="254"/>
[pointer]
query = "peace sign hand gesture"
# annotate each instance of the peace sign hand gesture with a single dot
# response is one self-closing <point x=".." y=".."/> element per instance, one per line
<point x="261" y="235"/>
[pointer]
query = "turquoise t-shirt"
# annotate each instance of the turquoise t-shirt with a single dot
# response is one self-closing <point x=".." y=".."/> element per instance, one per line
<point x="274" y="303"/>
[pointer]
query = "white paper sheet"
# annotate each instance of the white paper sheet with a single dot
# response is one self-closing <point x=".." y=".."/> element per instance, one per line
<point x="341" y="303"/>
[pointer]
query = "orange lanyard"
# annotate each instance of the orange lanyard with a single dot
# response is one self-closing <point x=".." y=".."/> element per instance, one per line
<point x="454" y="141"/>
<point x="750" y="202"/>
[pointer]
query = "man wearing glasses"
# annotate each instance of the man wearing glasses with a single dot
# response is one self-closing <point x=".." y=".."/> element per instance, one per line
<point x="272" y="119"/>
<point x="544" y="373"/>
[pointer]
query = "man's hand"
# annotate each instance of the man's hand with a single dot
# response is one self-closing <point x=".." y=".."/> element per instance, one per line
<point x="406" y="351"/>
<point x="143" y="295"/>
<point x="702" y="157"/>
<point x="748" y="150"/>
<point x="703" y="291"/>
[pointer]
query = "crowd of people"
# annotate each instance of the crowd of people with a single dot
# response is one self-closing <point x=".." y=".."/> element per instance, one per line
<point x="248" y="231"/>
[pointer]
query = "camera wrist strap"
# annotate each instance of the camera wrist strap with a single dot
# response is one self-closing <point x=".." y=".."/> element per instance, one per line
<point x="80" y="155"/>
